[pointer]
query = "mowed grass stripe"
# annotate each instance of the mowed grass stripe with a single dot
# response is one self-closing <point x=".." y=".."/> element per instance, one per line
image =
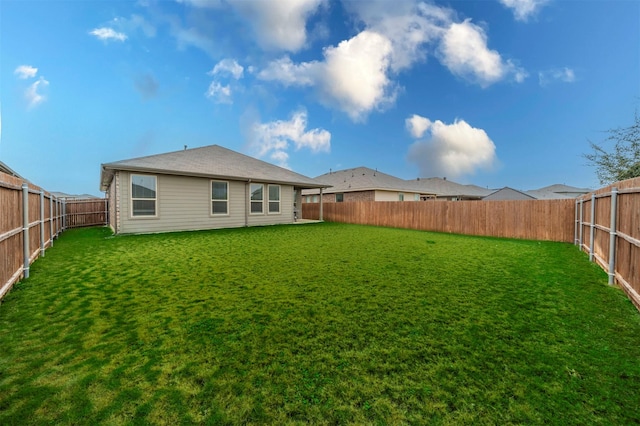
<point x="326" y="324"/>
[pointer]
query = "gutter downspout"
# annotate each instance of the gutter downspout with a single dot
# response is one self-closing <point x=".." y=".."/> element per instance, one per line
<point x="246" y="203"/>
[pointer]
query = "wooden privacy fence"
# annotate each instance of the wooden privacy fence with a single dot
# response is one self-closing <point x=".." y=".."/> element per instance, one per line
<point x="607" y="226"/>
<point x="30" y="220"/>
<point x="550" y="220"/>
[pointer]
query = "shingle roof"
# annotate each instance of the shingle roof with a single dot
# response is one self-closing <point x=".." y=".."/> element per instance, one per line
<point x="446" y="188"/>
<point x="211" y="161"/>
<point x="8" y="170"/>
<point x="560" y="189"/>
<point x="365" y="179"/>
<point x="507" y="193"/>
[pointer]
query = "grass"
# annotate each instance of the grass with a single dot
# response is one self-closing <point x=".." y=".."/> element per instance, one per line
<point x="323" y="324"/>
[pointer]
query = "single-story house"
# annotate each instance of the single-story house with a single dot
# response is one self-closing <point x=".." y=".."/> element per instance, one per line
<point x="447" y="190"/>
<point x="552" y="192"/>
<point x="201" y="188"/>
<point x="364" y="184"/>
<point x="507" y="193"/>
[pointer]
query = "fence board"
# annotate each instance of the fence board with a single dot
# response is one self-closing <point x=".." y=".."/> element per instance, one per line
<point x="527" y="219"/>
<point x="626" y="271"/>
<point x="81" y="213"/>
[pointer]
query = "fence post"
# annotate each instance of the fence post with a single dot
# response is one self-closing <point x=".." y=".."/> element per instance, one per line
<point x="575" y="223"/>
<point x="51" y="220"/>
<point x="593" y="226"/>
<point x="42" y="223"/>
<point x="612" y="236"/>
<point x="320" y="213"/>
<point x="25" y="229"/>
<point x="580" y="231"/>
<point x="64" y="214"/>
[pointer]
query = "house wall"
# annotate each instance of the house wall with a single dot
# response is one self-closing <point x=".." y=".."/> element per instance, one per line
<point x="355" y="196"/>
<point x="113" y="203"/>
<point x="393" y="196"/>
<point x="184" y="203"/>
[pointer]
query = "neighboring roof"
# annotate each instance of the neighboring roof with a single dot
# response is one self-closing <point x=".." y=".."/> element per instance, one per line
<point x="73" y="196"/>
<point x="211" y="161"/>
<point x="564" y="189"/>
<point x="541" y="194"/>
<point x="365" y="179"/>
<point x="8" y="170"/>
<point x="507" y="193"/>
<point x="446" y="188"/>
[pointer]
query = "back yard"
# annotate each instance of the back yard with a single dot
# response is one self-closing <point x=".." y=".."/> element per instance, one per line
<point x="325" y="323"/>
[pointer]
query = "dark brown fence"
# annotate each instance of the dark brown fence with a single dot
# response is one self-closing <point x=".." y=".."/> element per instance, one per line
<point x="30" y="220"/>
<point x="607" y="226"/>
<point x="550" y="220"/>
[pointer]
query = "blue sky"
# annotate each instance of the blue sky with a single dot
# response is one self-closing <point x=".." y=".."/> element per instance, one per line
<point x="495" y="93"/>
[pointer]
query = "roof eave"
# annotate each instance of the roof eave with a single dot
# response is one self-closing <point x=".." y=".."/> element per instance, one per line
<point x="114" y="167"/>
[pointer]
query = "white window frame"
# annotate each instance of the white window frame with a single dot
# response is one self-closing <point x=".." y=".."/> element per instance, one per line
<point x="252" y="202"/>
<point x="132" y="198"/>
<point x="269" y="200"/>
<point x="212" y="213"/>
<point x="341" y="196"/>
<point x="400" y="196"/>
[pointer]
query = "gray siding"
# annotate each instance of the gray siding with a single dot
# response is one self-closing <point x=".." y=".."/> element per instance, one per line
<point x="184" y="203"/>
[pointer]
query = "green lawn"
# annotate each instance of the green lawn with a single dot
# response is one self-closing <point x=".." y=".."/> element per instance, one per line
<point x="323" y="324"/>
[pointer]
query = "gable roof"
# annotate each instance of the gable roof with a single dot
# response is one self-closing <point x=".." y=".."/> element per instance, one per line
<point x="446" y="188"/>
<point x="507" y="193"/>
<point x="212" y="161"/>
<point x="365" y="179"/>
<point x="564" y="189"/>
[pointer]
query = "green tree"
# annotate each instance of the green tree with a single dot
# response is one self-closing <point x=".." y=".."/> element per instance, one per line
<point x="623" y="162"/>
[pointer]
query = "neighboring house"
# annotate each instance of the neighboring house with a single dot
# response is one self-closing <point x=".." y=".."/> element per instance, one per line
<point x="552" y="192"/>
<point x="507" y="193"/>
<point x="201" y="188"/>
<point x="65" y="196"/>
<point x="364" y="184"/>
<point x="565" y="191"/>
<point x="6" y="169"/>
<point x="447" y="190"/>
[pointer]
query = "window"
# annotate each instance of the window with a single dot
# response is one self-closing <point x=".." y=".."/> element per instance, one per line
<point x="400" y="196"/>
<point x="339" y="198"/>
<point x="315" y="198"/>
<point x="143" y="195"/>
<point x="274" y="199"/>
<point x="416" y="197"/>
<point x="219" y="197"/>
<point x="257" y="198"/>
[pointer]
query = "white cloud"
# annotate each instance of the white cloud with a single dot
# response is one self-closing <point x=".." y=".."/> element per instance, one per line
<point x="26" y="71"/>
<point x="219" y="93"/>
<point x="564" y="75"/>
<point x="284" y="71"/>
<point x="273" y="139"/>
<point x="523" y="9"/>
<point x="453" y="150"/>
<point x="33" y="95"/>
<point x="279" y="25"/>
<point x="352" y="77"/>
<point x="417" y="125"/>
<point x="464" y="51"/>
<point x="228" y="67"/>
<point x="105" y="33"/>
<point x="410" y="26"/>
